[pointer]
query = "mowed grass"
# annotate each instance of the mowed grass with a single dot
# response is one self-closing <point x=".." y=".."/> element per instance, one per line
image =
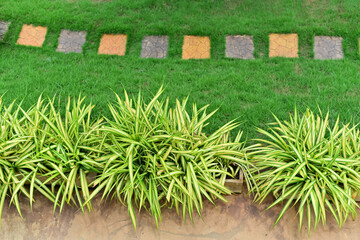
<point x="175" y="18"/>
<point x="247" y="90"/>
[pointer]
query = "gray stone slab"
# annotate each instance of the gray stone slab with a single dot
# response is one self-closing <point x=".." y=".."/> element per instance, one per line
<point x="71" y="41"/>
<point x="326" y="47"/>
<point x="4" y="26"/>
<point x="238" y="46"/>
<point x="154" y="47"/>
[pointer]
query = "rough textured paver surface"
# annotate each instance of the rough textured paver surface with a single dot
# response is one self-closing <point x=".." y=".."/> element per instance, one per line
<point x="71" y="41"/>
<point x="196" y="47"/>
<point x="326" y="47"/>
<point x="113" y="44"/>
<point x="4" y="26"/>
<point x="238" y="46"/>
<point x="283" y="45"/>
<point x="154" y="47"/>
<point x="32" y="36"/>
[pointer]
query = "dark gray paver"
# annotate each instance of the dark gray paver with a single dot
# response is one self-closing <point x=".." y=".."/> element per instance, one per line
<point x="154" y="47"/>
<point x="238" y="46"/>
<point x="71" y="41"/>
<point x="326" y="47"/>
<point x="4" y="26"/>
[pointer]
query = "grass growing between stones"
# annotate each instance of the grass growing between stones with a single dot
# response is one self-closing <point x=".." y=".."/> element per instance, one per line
<point x="247" y="90"/>
<point x="178" y="18"/>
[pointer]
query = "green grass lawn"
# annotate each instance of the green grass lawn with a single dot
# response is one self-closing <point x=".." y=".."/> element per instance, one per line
<point x="248" y="90"/>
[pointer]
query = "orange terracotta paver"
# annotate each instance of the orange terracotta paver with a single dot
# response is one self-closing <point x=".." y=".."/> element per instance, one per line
<point x="113" y="44"/>
<point x="196" y="47"/>
<point x="284" y="45"/>
<point x="32" y="36"/>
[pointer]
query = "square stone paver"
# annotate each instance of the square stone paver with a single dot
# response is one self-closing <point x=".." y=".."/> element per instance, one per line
<point x="4" y="26"/>
<point x="113" y="44"/>
<point x="326" y="47"/>
<point x="238" y="46"/>
<point x="283" y="45"/>
<point x="71" y="41"/>
<point x="32" y="36"/>
<point x="154" y="47"/>
<point x="196" y="47"/>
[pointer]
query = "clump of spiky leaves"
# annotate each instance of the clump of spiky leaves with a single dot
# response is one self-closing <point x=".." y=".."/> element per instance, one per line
<point x="19" y="163"/>
<point x="311" y="162"/>
<point x="160" y="156"/>
<point x="71" y="149"/>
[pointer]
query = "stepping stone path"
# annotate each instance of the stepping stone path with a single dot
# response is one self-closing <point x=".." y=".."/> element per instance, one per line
<point x="238" y="46"/>
<point x="113" y="44"/>
<point x="283" y="45"/>
<point x="4" y="26"/>
<point x="71" y="41"/>
<point x="196" y="47"/>
<point x="326" y="47"/>
<point x="154" y="47"/>
<point x="32" y="36"/>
